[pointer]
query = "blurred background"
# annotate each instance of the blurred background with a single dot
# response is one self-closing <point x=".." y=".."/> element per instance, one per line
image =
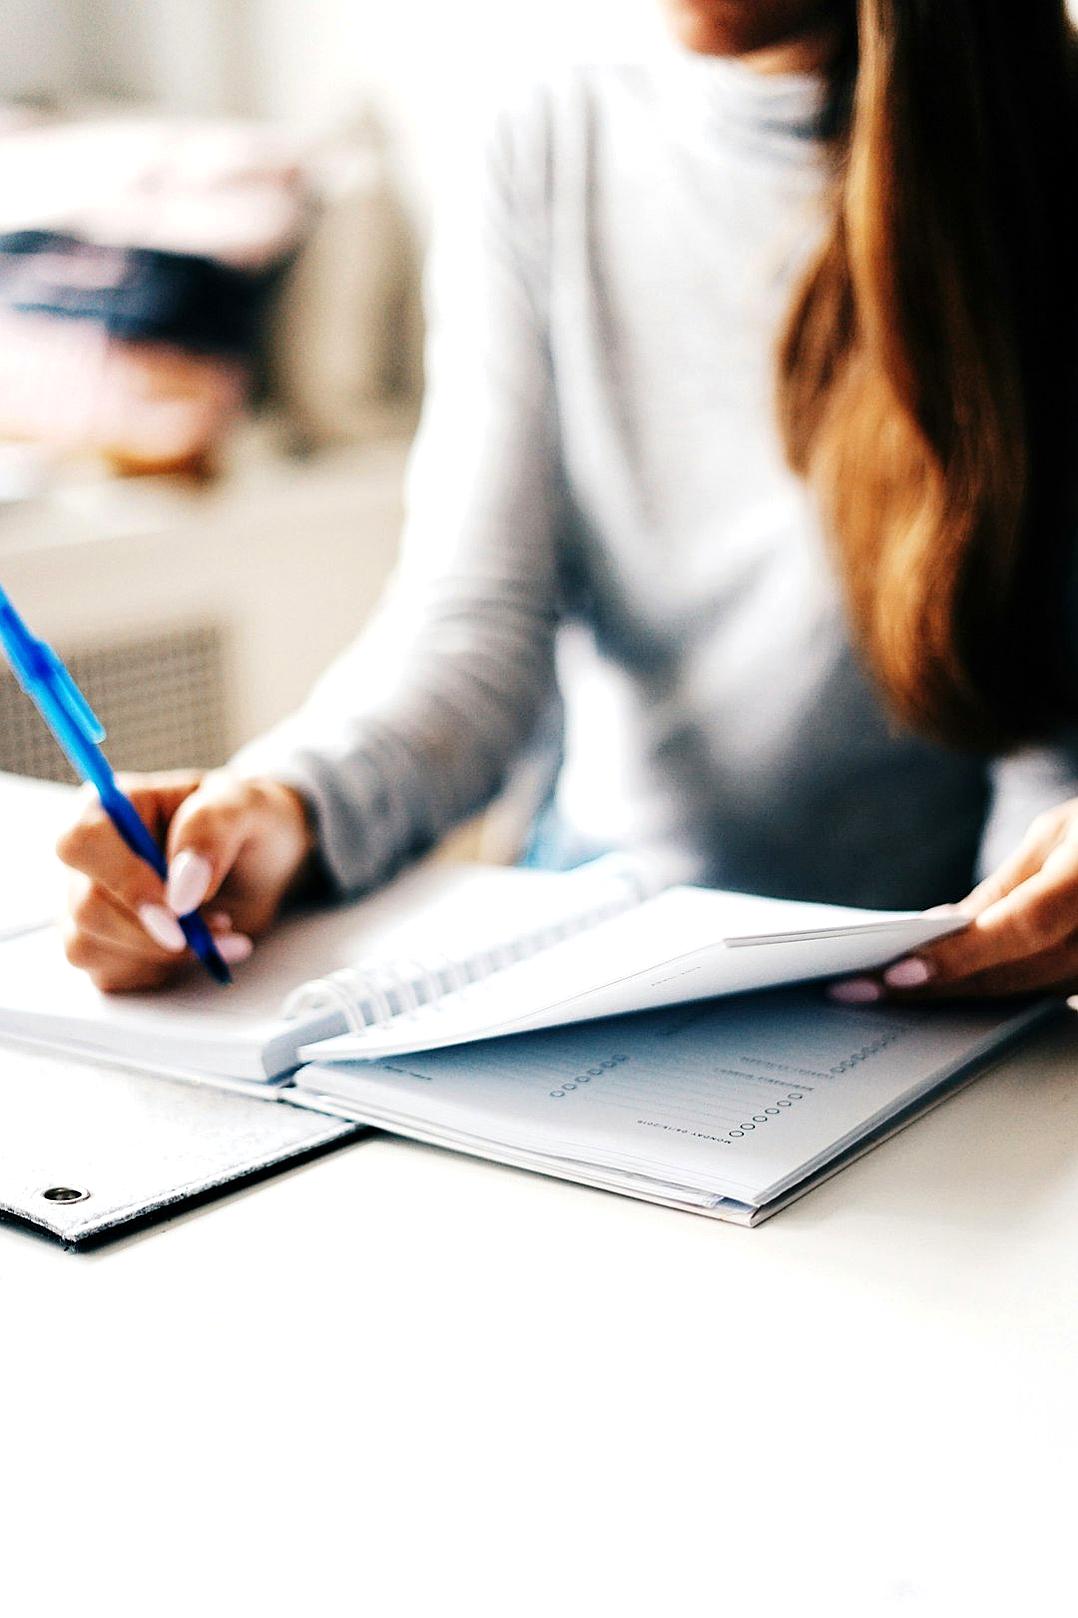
<point x="213" y="215"/>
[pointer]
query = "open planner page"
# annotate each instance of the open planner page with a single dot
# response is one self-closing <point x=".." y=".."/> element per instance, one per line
<point x="734" y="1099"/>
<point x="683" y="944"/>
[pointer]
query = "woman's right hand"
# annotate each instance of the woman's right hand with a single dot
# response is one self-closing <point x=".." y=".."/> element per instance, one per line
<point x="235" y="848"/>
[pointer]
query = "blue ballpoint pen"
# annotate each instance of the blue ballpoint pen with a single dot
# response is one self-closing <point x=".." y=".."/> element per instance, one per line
<point x="78" y="730"/>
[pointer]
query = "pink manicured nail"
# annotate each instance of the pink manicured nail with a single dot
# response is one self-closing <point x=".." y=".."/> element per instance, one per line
<point x="234" y="948"/>
<point x="855" y="991"/>
<point x="908" y="974"/>
<point x="162" y="927"/>
<point x="188" y="878"/>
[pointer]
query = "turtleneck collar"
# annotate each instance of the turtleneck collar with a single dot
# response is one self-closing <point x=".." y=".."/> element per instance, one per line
<point x="776" y="113"/>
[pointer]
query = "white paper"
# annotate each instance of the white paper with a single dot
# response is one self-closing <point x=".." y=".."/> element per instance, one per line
<point x="684" y="944"/>
<point x="33" y="882"/>
<point x="733" y="1099"/>
<point x="239" y="1032"/>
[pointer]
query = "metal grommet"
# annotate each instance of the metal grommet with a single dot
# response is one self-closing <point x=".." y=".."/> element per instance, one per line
<point x="64" y="1193"/>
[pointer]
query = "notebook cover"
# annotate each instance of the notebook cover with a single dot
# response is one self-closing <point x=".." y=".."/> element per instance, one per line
<point x="89" y="1150"/>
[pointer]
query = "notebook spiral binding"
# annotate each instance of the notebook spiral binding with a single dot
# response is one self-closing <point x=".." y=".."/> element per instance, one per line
<point x="373" y="994"/>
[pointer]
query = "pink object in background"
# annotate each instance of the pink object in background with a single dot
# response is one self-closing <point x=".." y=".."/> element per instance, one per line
<point x="231" y="191"/>
<point x="228" y="192"/>
<point x="144" y="406"/>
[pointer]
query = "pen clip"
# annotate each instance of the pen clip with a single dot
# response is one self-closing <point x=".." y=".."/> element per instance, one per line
<point x="67" y="693"/>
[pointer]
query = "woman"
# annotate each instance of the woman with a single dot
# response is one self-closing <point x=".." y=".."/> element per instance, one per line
<point x="747" y="426"/>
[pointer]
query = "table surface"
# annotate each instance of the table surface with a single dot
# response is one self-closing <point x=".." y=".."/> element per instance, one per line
<point x="395" y="1378"/>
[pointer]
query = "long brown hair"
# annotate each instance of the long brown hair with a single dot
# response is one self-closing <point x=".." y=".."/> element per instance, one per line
<point x="926" y="373"/>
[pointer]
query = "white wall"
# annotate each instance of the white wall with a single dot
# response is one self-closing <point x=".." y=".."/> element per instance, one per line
<point x="315" y="61"/>
<point x="421" y="60"/>
<point x="38" y="54"/>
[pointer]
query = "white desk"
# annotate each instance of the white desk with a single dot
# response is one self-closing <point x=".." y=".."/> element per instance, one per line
<point x="395" y="1381"/>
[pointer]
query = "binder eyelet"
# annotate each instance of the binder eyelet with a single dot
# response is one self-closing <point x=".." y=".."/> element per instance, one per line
<point x="64" y="1193"/>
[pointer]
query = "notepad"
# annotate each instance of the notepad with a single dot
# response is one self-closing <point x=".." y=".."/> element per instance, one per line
<point x="641" y="951"/>
<point x="595" y="1025"/>
<point x="449" y="955"/>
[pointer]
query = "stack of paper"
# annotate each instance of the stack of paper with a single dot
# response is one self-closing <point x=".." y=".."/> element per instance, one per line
<point x="728" y="1108"/>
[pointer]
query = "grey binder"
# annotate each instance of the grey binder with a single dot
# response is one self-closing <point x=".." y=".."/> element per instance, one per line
<point x="88" y="1150"/>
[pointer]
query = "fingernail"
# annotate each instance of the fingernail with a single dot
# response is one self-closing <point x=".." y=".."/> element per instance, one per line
<point x="234" y="948"/>
<point x="162" y="927"/>
<point x="188" y="878"/>
<point x="908" y="974"/>
<point x="220" y="919"/>
<point x="855" y="991"/>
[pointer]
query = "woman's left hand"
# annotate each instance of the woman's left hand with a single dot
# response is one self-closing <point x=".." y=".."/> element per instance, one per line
<point x="1023" y="932"/>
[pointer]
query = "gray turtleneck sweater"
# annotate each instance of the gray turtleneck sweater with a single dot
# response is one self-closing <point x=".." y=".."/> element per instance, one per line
<point x="605" y="556"/>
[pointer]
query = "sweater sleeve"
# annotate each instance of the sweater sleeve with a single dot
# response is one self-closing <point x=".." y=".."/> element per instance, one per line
<point x="415" y="726"/>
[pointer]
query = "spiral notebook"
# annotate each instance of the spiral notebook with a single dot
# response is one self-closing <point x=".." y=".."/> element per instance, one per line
<point x="590" y="1026"/>
<point x="450" y="955"/>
